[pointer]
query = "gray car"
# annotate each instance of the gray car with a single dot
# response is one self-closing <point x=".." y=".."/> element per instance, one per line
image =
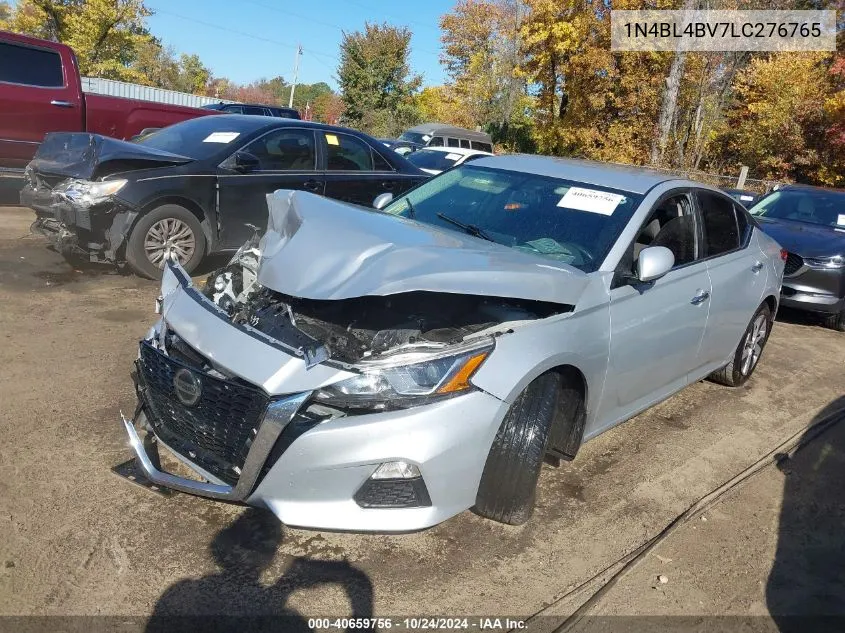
<point x="385" y="370"/>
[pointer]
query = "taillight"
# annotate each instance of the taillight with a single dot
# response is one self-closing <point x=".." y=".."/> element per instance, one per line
<point x="784" y="254"/>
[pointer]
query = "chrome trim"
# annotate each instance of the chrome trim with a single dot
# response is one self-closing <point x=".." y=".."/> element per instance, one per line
<point x="279" y="413"/>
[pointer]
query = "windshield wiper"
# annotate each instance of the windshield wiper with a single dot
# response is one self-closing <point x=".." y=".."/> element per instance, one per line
<point x="468" y="228"/>
<point x="411" y="213"/>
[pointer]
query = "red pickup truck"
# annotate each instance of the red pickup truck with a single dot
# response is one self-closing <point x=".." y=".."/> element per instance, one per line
<point x="41" y="91"/>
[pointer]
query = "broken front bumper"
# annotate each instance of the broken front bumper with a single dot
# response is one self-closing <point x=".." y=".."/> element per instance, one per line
<point x="310" y="472"/>
<point x="96" y="232"/>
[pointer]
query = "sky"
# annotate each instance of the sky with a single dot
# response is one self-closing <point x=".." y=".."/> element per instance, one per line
<point x="246" y="40"/>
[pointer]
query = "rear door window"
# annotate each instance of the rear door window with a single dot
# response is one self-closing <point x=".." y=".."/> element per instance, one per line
<point x="452" y="142"/>
<point x="347" y="153"/>
<point x="464" y="143"/>
<point x="30" y="66"/>
<point x="721" y="233"/>
<point x="285" y="150"/>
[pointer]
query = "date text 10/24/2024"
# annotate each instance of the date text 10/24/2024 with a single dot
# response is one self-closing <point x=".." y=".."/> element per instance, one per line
<point x="418" y="624"/>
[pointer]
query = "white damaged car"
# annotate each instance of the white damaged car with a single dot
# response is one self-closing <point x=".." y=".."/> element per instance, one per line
<point x="385" y="370"/>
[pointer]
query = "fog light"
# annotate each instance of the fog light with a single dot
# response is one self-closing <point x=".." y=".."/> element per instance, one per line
<point x="396" y="470"/>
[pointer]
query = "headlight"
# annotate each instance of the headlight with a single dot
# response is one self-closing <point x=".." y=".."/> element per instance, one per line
<point x="825" y="263"/>
<point x="88" y="193"/>
<point x="400" y="386"/>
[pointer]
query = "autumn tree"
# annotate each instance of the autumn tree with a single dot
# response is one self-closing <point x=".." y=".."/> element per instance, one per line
<point x="783" y="109"/>
<point x="481" y="50"/>
<point x="105" y="34"/>
<point x="327" y="107"/>
<point x="376" y="82"/>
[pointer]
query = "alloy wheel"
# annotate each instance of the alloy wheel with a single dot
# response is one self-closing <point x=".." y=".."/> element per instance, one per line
<point x="754" y="342"/>
<point x="169" y="237"/>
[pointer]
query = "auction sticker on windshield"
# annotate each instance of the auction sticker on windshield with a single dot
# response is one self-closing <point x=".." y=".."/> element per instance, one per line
<point x="841" y="220"/>
<point x="221" y="137"/>
<point x="590" y="200"/>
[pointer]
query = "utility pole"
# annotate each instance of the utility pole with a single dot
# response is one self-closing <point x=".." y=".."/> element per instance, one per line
<point x="295" y="74"/>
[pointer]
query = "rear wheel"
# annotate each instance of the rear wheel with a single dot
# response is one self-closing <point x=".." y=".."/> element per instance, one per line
<point x="748" y="352"/>
<point x="164" y="232"/>
<point x="835" y="321"/>
<point x="509" y="482"/>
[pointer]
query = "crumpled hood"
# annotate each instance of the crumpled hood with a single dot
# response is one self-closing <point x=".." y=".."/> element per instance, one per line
<point x="318" y="248"/>
<point x="79" y="154"/>
<point x="805" y="239"/>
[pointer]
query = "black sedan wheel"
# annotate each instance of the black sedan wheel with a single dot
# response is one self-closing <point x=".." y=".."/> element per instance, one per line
<point x="169" y="231"/>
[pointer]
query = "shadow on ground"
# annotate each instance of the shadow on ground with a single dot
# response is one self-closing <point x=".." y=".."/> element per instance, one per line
<point x="807" y="581"/>
<point x="237" y="599"/>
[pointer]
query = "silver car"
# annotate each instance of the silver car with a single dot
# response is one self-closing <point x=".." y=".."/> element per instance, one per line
<point x="385" y="370"/>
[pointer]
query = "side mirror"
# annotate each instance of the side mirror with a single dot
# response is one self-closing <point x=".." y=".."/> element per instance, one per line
<point x="382" y="200"/>
<point x="244" y="161"/>
<point x="654" y="262"/>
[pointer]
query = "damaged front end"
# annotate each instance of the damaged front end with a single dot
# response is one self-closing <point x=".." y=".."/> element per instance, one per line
<point x="79" y="217"/>
<point x="71" y="186"/>
<point x="332" y="411"/>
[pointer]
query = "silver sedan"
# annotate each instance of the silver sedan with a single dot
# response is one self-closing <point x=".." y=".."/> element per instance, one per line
<point x="387" y="369"/>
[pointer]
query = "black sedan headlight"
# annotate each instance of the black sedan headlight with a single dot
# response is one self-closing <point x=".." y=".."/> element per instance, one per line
<point x="400" y="386"/>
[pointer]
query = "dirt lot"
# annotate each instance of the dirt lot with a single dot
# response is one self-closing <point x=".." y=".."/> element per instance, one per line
<point x="76" y="539"/>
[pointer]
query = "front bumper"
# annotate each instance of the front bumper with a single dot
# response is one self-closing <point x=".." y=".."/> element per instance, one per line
<point x="95" y="231"/>
<point x="814" y="290"/>
<point x="309" y="478"/>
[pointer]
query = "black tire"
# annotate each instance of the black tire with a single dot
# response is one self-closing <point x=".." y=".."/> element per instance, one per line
<point x="169" y="214"/>
<point x="734" y="374"/>
<point x="835" y="321"/>
<point x="509" y="482"/>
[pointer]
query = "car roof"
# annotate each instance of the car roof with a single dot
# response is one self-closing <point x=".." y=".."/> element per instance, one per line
<point x="442" y="128"/>
<point x="612" y="176"/>
<point x="253" y="122"/>
<point x="463" y="151"/>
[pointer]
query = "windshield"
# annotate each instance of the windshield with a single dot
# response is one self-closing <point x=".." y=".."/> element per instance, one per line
<point x="199" y="138"/>
<point x="803" y="205"/>
<point x="566" y="221"/>
<point x="415" y="137"/>
<point x="433" y="159"/>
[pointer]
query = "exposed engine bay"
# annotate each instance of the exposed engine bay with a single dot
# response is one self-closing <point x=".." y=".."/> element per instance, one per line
<point x="369" y="327"/>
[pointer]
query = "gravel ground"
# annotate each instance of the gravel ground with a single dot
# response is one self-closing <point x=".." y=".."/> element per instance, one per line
<point x="78" y="540"/>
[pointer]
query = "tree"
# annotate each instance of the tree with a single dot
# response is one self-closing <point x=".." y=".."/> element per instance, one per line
<point x="105" y="34"/>
<point x="481" y="47"/>
<point x="5" y="12"/>
<point x="193" y="74"/>
<point x="327" y="107"/>
<point x="376" y="82"/>
<point x="782" y="117"/>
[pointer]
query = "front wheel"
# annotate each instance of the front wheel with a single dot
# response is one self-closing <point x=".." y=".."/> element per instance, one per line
<point x="508" y="484"/>
<point x="166" y="231"/>
<point x="748" y="352"/>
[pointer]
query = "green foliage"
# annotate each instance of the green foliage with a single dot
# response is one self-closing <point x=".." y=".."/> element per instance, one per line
<point x="105" y="34"/>
<point x="376" y="82"/>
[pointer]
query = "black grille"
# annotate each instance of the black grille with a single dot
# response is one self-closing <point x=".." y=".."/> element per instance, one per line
<point x="793" y="263"/>
<point x="216" y="432"/>
<point x="393" y="493"/>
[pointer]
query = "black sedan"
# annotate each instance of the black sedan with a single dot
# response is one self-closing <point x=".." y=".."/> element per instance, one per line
<point x="809" y="222"/>
<point x="197" y="187"/>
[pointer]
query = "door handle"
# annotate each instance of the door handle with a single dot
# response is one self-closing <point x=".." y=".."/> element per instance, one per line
<point x="61" y="104"/>
<point x="701" y="297"/>
<point x="311" y="185"/>
<point x="387" y="184"/>
<point x="757" y="267"/>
